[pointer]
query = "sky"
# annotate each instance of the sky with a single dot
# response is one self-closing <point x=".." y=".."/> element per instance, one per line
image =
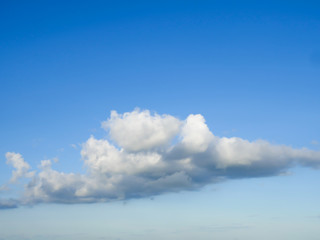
<point x="159" y="120"/>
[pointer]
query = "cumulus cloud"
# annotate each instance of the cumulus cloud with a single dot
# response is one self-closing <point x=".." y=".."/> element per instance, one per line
<point x="21" y="167"/>
<point x="143" y="161"/>
<point x="139" y="130"/>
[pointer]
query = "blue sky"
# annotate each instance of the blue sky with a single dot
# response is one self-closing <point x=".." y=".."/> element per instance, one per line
<point x="251" y="69"/>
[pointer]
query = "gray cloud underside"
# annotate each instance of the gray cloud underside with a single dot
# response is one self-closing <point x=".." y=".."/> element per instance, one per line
<point x="8" y="204"/>
<point x="149" y="154"/>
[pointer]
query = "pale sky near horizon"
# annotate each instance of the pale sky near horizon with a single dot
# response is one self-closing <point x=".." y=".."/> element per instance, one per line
<point x="159" y="120"/>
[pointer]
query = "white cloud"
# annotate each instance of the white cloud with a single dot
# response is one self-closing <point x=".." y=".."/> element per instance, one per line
<point x="103" y="157"/>
<point x="145" y="162"/>
<point x="21" y="167"/>
<point x="196" y="136"/>
<point x="139" y="130"/>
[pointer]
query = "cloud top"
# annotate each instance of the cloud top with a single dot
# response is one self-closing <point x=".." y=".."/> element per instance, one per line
<point x="139" y="130"/>
<point x="143" y="161"/>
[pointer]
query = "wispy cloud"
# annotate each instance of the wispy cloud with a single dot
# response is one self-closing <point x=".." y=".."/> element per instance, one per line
<point x="150" y="154"/>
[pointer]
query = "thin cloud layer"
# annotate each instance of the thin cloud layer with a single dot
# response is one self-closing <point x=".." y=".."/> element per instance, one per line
<point x="142" y="160"/>
<point x="8" y="204"/>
